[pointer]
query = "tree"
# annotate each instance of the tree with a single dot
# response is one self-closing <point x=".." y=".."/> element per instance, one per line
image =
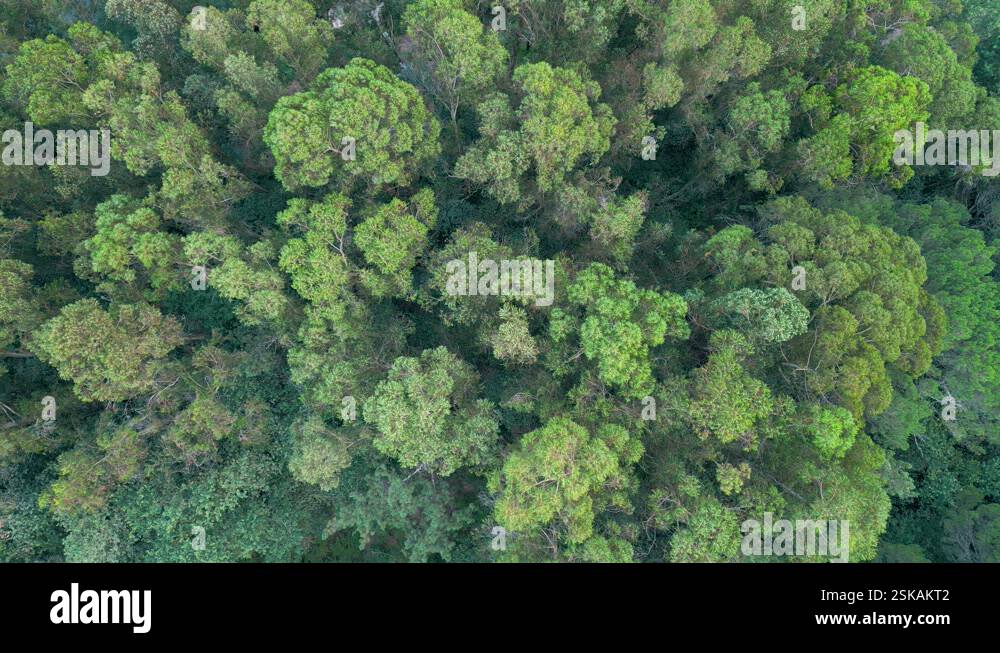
<point x="18" y="312"/>
<point x="393" y="133"/>
<point x="557" y="123"/>
<point x="455" y="58"/>
<point x="109" y="355"/>
<point x="155" y="22"/>
<point x="513" y="342"/>
<point x="198" y="428"/>
<point x="316" y="262"/>
<point x="859" y="278"/>
<point x="320" y="453"/>
<point x="615" y="223"/>
<point x="959" y="267"/>
<point x="726" y="402"/>
<point x="711" y="535"/>
<point x="757" y="126"/>
<point x="426" y="414"/>
<point x="560" y="477"/>
<point x="972" y="534"/>
<point x="46" y="78"/>
<point x="742" y="304"/>
<point x="924" y="53"/>
<point x="766" y="316"/>
<point x="243" y="274"/>
<point x="131" y="248"/>
<point x="619" y="325"/>
<point x="392" y="239"/>
<point x="869" y="108"/>
<point x="379" y="503"/>
<point x="293" y="34"/>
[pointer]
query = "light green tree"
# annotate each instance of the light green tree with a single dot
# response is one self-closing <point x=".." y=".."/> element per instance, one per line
<point x="109" y="355"/>
<point x="560" y="477"/>
<point x="617" y="325"/>
<point x="393" y="134"/>
<point x="557" y="125"/>
<point x="427" y="416"/>
<point x="455" y="57"/>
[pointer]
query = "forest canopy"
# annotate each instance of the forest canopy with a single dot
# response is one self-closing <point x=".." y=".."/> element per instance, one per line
<point x="518" y="280"/>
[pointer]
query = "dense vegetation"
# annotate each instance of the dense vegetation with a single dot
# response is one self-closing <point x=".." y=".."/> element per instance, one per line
<point x="755" y="309"/>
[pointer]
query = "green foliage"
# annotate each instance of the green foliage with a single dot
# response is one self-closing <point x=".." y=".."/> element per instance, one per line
<point x="317" y="270"/>
<point x="46" y="78"/>
<point x="923" y="53"/>
<point x="293" y="33"/>
<point x="726" y="402"/>
<point x="109" y="355"/>
<point x="394" y="134"/>
<point x="451" y="52"/>
<point x="869" y="108"/>
<point x="766" y="316"/>
<point x="129" y="243"/>
<point x="858" y="278"/>
<point x="557" y="124"/>
<point x="619" y="324"/>
<point x="383" y="503"/>
<point x="710" y="535"/>
<point x="757" y="311"/>
<point x="392" y="239"/>
<point x="513" y="342"/>
<point x="561" y="477"/>
<point x="426" y="414"/>
<point x="243" y="274"/>
<point x="320" y="454"/>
